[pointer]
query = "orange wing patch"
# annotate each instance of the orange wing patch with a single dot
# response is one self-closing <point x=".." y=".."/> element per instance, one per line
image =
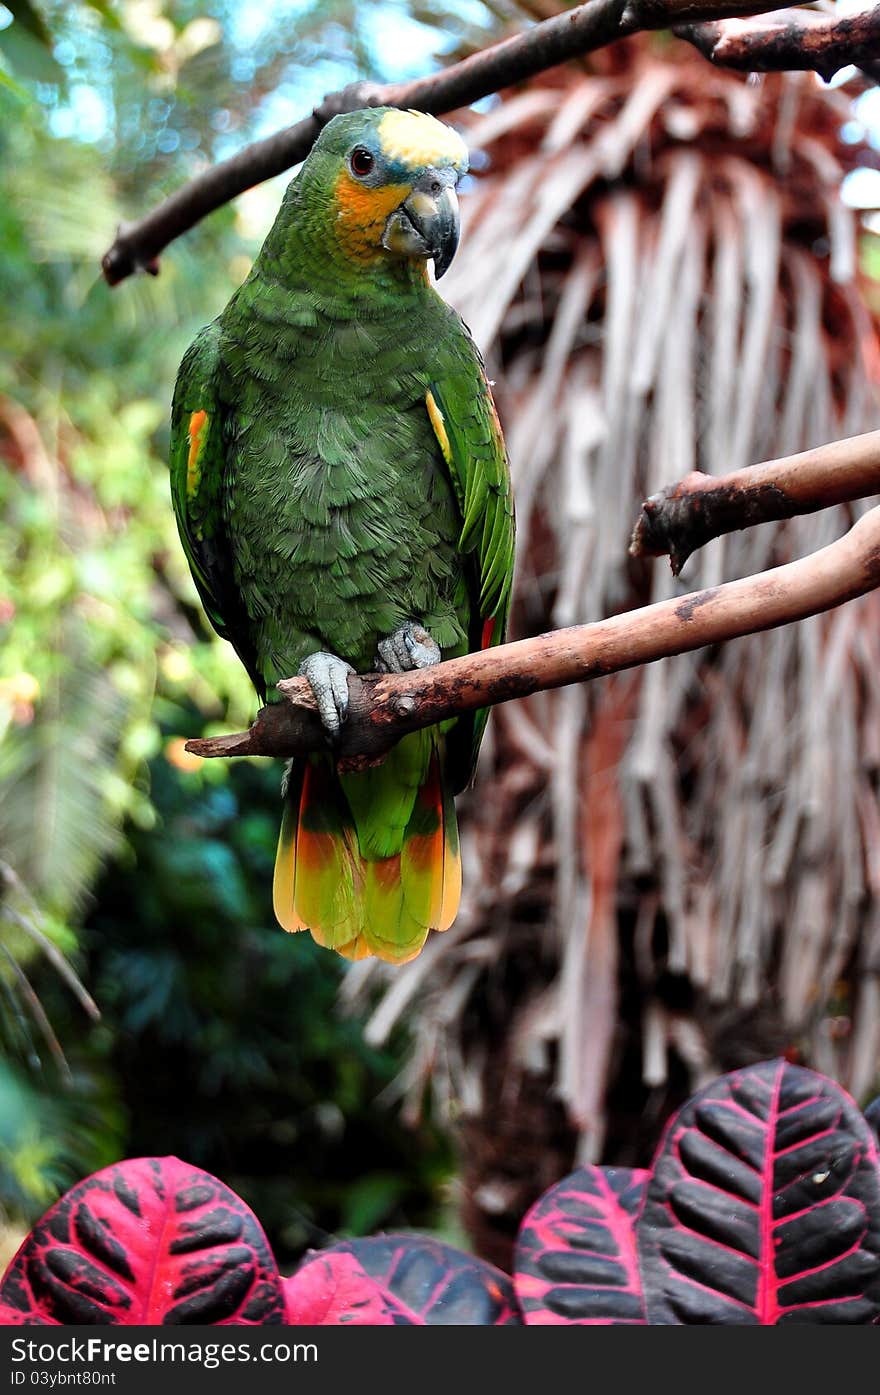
<point x="197" y="423"/>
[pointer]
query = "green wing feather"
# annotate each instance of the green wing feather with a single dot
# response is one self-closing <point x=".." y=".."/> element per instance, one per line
<point x="466" y="424"/>
<point x="198" y="481"/>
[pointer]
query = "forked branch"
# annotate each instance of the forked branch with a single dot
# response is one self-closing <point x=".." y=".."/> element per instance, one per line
<point x="383" y="708"/>
<point x="791" y="41"/>
<point x="683" y="517"/>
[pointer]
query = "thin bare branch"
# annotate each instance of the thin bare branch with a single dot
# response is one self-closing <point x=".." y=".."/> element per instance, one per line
<point x="383" y="708"/>
<point x="28" y="924"/>
<point x="57" y="960"/>
<point x="570" y="35"/>
<point x="684" y="516"/>
<point x="792" y="40"/>
<point x="38" y="1012"/>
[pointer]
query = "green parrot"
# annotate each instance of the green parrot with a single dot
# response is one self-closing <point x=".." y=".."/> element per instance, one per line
<point x="343" y="497"/>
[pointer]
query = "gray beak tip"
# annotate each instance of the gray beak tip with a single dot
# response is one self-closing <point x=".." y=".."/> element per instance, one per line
<point x="443" y="258"/>
<point x="426" y="225"/>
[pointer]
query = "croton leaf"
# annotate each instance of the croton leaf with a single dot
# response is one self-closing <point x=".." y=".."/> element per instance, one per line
<point x="763" y="1205"/>
<point x="151" y="1241"/>
<point x="332" y="1289"/>
<point x="575" y="1259"/>
<point x="425" y="1281"/>
<point x="13" y="1317"/>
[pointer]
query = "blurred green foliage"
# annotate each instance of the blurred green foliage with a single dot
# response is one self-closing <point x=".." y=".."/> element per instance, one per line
<point x="225" y="1030"/>
<point x="220" y="1038"/>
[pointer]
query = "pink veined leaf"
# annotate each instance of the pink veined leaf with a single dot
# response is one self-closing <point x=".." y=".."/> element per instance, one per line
<point x="13" y="1317"/>
<point x="424" y="1281"/>
<point x="332" y="1289"/>
<point x="147" y="1241"/>
<point x="763" y="1206"/>
<point x="576" y="1258"/>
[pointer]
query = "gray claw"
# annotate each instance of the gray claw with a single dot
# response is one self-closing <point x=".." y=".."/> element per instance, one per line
<point x="409" y="647"/>
<point x="328" y="678"/>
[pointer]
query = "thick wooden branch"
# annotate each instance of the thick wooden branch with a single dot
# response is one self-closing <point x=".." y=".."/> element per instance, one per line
<point x="383" y="708"/>
<point x="683" y="517"/>
<point x="570" y="35"/>
<point x="791" y="40"/>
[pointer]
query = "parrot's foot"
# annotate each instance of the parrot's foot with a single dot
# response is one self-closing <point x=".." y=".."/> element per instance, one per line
<point x="328" y="678"/>
<point x="409" y="647"/>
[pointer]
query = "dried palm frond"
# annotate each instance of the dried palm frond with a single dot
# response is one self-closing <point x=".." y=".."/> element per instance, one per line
<point x="665" y="873"/>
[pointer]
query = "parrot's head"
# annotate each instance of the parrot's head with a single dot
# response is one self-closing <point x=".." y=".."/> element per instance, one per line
<point x="385" y="179"/>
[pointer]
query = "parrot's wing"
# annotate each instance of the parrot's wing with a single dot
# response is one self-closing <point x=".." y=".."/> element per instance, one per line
<point x="198" y="468"/>
<point x="468" y="431"/>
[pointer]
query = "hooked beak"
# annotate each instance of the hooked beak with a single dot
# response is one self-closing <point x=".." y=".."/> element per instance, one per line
<point x="427" y="224"/>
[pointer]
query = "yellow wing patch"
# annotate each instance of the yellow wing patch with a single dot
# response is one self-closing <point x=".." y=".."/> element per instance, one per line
<point x="416" y="139"/>
<point x="197" y="424"/>
<point x="439" y="426"/>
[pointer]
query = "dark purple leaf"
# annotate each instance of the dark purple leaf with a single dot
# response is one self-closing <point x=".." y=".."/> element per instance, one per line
<point x="576" y="1258"/>
<point x="331" y="1289"/>
<point x="763" y="1206"/>
<point x="152" y="1241"/>
<point x="872" y="1114"/>
<point x="428" y="1282"/>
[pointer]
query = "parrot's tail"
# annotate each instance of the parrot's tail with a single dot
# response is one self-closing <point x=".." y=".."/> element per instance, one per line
<point x="370" y="862"/>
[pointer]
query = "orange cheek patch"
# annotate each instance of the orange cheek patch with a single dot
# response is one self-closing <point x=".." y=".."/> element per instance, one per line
<point x="361" y="215"/>
<point x="196" y="426"/>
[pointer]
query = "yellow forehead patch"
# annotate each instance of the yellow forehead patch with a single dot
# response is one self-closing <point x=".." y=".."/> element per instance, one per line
<point x="414" y="138"/>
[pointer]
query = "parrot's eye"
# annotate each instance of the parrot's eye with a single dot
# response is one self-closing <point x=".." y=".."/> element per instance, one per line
<point x="361" y="161"/>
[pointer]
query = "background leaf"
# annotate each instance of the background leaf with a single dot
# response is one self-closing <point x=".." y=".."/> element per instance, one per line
<point x="575" y="1259"/>
<point x="333" y="1289"/>
<point x="432" y="1283"/>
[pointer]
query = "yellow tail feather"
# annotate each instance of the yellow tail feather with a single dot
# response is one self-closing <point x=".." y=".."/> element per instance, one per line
<point x="357" y="905"/>
<point x="284" y="881"/>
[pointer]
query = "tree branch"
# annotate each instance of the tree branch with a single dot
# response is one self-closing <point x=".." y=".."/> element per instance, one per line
<point x="383" y="708"/>
<point x="791" y="40"/>
<point x="683" y="517"/>
<point x="570" y="35"/>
